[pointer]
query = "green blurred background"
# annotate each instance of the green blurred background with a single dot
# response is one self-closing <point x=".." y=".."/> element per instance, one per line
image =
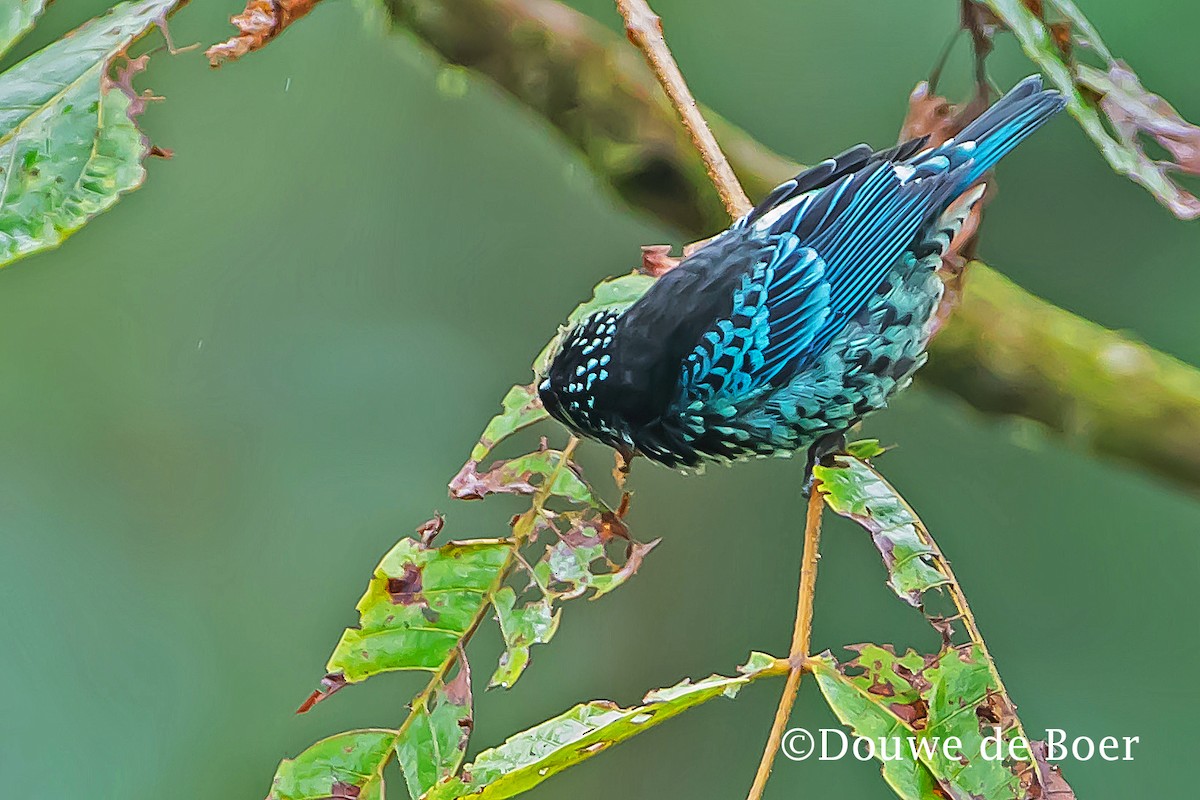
<point x="225" y="399"/>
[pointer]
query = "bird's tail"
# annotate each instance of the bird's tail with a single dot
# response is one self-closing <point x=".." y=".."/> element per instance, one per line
<point x="1011" y="119"/>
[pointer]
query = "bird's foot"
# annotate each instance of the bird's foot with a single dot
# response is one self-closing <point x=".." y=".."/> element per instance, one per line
<point x="822" y="451"/>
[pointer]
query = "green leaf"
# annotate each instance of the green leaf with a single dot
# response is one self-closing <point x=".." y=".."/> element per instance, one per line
<point x="523" y="627"/>
<point x="68" y="143"/>
<point x="336" y="767"/>
<point x="16" y="20"/>
<point x="577" y="561"/>
<point x="1123" y="154"/>
<point x="915" y="704"/>
<point x="434" y="742"/>
<point x="529" y="757"/>
<point x="865" y="449"/>
<point x="520" y="409"/>
<point x="856" y="491"/>
<point x="419" y="605"/>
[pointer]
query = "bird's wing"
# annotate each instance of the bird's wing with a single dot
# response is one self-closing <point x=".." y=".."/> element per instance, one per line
<point x="832" y="235"/>
<point x="778" y="306"/>
<point x="860" y="224"/>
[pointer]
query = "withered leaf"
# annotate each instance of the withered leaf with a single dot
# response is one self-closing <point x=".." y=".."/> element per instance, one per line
<point x="657" y="259"/>
<point x="258" y="24"/>
<point x="925" y="701"/>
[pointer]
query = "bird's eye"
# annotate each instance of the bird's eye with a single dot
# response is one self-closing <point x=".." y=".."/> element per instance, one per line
<point x="544" y="386"/>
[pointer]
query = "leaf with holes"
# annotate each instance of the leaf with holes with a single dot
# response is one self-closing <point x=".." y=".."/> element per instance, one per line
<point x="522" y="627"/>
<point x="69" y="146"/>
<point x="579" y="560"/>
<point x="420" y="603"/>
<point x="853" y="489"/>
<point x="524" y="475"/>
<point x="435" y="740"/>
<point x="348" y="766"/>
<point x="529" y="757"/>
<point x="930" y="718"/>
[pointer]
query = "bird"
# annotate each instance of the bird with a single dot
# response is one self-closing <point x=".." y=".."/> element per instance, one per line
<point x="807" y="314"/>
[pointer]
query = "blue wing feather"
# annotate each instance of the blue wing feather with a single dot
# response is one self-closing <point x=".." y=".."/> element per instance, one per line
<point x="777" y="309"/>
<point x="831" y="235"/>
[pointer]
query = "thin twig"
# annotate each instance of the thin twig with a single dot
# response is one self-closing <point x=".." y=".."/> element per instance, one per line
<point x="644" y="29"/>
<point x="801" y="635"/>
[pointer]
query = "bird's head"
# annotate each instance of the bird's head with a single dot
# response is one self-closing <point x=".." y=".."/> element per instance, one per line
<point x="575" y="373"/>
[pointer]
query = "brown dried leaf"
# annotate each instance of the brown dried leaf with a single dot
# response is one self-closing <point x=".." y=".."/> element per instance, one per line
<point x="405" y="589"/>
<point x="1053" y="785"/>
<point x="259" y="23"/>
<point x="331" y="684"/>
<point x="929" y="115"/>
<point x="657" y="259"/>
<point x="429" y="529"/>
<point x="1060" y="33"/>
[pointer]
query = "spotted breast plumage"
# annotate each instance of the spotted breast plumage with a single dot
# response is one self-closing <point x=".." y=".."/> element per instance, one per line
<point x="804" y="316"/>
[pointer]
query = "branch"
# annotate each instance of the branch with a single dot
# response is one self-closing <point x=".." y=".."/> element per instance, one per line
<point x="801" y="635"/>
<point x="644" y="29"/>
<point x="1005" y="351"/>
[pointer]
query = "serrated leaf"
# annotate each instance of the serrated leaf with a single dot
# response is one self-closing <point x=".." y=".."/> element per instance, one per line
<point x="348" y="766"/>
<point x="915" y="704"/>
<point x="522" y="627"/>
<point x="532" y="756"/>
<point x="435" y="741"/>
<point x="68" y="144"/>
<point x="16" y="19"/>
<point x="419" y="604"/>
<point x="854" y="490"/>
